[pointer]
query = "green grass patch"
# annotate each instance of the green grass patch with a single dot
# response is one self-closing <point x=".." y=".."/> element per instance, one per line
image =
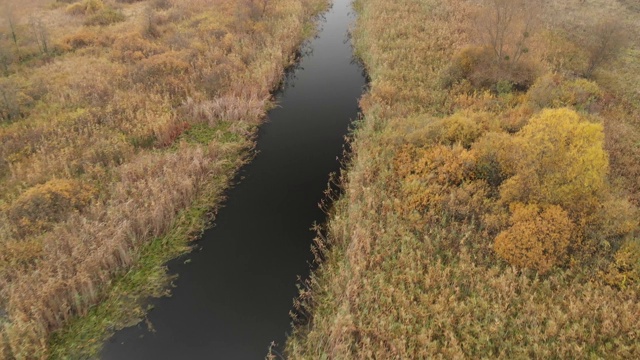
<point x="204" y="134"/>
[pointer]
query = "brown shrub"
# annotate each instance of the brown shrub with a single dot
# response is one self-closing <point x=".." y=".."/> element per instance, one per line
<point x="499" y="61"/>
<point x="631" y="4"/>
<point x="166" y="133"/>
<point x="554" y="91"/>
<point x="80" y="39"/>
<point x="41" y="205"/>
<point x="537" y="238"/>
<point x="562" y="54"/>
<point x="604" y="43"/>
<point x="133" y="46"/>
<point x="86" y="7"/>
<point x="514" y="119"/>
<point x="166" y="73"/>
<point x="495" y="157"/>
<point x="19" y="252"/>
<point x="615" y="219"/>
<point x="622" y="141"/>
<point x="162" y="4"/>
<point x="477" y="65"/>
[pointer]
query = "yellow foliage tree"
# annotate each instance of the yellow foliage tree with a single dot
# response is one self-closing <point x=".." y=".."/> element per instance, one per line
<point x="561" y="161"/>
<point x="537" y="238"/>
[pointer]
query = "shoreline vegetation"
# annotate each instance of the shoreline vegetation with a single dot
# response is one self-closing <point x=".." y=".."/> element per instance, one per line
<point x="122" y="122"/>
<point x="490" y="203"/>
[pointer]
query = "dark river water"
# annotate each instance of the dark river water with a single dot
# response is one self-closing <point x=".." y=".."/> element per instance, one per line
<point x="233" y="296"/>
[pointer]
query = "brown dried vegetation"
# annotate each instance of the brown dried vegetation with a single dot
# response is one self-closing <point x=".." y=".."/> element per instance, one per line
<point x="120" y="121"/>
<point x="485" y="216"/>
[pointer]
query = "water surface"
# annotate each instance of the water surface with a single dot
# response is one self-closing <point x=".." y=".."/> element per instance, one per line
<point x="233" y="296"/>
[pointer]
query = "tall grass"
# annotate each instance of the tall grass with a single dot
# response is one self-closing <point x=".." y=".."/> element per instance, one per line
<point x="407" y="269"/>
<point x="121" y="137"/>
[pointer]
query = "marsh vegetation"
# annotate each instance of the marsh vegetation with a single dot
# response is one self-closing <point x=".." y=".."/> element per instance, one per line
<point x="121" y="123"/>
<point x="490" y="205"/>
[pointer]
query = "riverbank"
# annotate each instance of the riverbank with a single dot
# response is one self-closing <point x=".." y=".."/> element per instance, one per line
<point x="122" y="124"/>
<point x="466" y="229"/>
<point x="233" y="296"/>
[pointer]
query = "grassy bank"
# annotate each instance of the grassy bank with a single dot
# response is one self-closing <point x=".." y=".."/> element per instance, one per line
<point x="490" y="203"/>
<point x="121" y="123"/>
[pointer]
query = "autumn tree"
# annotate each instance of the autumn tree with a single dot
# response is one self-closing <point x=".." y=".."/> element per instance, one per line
<point x="560" y="161"/>
<point x="558" y="184"/>
<point x="538" y="238"/>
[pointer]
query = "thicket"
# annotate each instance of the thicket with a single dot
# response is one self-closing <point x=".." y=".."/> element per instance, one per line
<point x="121" y="123"/>
<point x="486" y="210"/>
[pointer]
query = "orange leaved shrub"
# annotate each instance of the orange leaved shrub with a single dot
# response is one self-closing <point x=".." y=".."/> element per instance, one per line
<point x="537" y="238"/>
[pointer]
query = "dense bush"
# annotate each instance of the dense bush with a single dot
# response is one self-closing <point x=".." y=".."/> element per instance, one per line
<point x="80" y="39"/>
<point x="86" y="7"/>
<point x="560" y="161"/>
<point x="429" y="174"/>
<point x="541" y="189"/>
<point x="562" y="54"/>
<point x="553" y="91"/>
<point x="494" y="153"/>
<point x="477" y="64"/>
<point x="166" y="72"/>
<point x="536" y="238"/>
<point x="460" y="128"/>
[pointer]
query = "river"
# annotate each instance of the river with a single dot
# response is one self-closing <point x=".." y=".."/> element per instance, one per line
<point x="233" y="294"/>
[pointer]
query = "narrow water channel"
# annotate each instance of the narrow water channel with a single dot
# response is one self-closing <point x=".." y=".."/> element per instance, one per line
<point x="233" y="296"/>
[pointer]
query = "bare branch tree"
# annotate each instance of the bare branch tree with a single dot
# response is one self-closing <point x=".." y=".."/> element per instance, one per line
<point x="506" y="25"/>
<point x="12" y="27"/>
<point x="41" y="34"/>
<point x="606" y="41"/>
